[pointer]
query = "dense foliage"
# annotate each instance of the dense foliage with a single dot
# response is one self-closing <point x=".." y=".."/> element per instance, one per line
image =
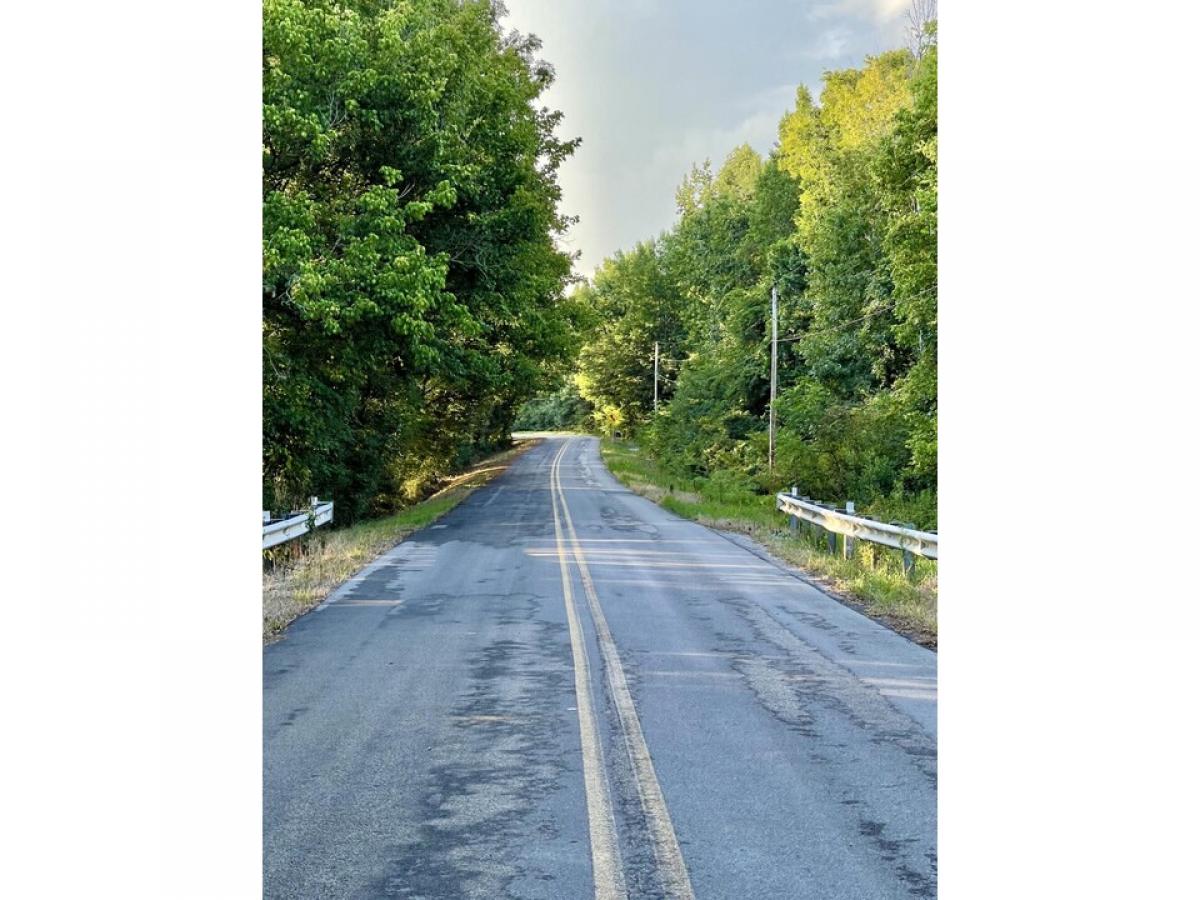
<point x="841" y="218"/>
<point x="411" y="281"/>
<point x="564" y="410"/>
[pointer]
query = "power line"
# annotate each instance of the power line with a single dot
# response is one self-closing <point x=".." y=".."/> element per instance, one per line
<point x="833" y="329"/>
<point x="840" y="327"/>
<point x="890" y="307"/>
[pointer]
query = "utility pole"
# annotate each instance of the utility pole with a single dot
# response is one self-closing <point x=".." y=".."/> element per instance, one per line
<point x="774" y="374"/>
<point x="656" y="376"/>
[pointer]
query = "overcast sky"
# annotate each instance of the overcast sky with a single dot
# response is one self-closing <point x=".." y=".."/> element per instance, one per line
<point x="654" y="85"/>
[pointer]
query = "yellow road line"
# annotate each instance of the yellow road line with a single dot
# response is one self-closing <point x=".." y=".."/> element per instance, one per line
<point x="667" y="853"/>
<point x="607" y="872"/>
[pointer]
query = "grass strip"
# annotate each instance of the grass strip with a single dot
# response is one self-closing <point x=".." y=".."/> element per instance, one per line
<point x="872" y="581"/>
<point x="327" y="558"/>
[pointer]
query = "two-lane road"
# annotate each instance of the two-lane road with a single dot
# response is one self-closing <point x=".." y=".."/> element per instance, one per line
<point x="563" y="691"/>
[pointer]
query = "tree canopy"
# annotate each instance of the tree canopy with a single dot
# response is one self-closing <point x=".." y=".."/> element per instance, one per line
<point x="841" y="218"/>
<point x="412" y="284"/>
<point x="414" y="289"/>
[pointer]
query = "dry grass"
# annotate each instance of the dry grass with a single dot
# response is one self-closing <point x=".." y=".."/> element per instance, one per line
<point x="305" y="576"/>
<point x="872" y="581"/>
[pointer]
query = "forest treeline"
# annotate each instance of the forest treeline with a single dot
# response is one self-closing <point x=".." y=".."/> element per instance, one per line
<point x="413" y="289"/>
<point x="415" y="293"/>
<point x="841" y="218"/>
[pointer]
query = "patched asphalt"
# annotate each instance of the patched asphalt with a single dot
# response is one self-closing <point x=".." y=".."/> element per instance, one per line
<point x="421" y="737"/>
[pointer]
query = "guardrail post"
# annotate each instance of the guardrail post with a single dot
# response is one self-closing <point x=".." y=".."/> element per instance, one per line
<point x="847" y="541"/>
<point x="266" y="517"/>
<point x="811" y="517"/>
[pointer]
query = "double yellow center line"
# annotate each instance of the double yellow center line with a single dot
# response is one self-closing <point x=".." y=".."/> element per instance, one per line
<point x="607" y="871"/>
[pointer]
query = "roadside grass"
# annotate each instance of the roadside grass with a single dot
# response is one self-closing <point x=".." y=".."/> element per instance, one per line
<point x="300" y="578"/>
<point x="872" y="581"/>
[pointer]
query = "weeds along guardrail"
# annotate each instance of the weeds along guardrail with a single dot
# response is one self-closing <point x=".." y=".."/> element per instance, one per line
<point x="835" y="521"/>
<point x="280" y="531"/>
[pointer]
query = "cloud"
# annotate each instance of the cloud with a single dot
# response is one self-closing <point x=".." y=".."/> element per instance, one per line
<point x="758" y="127"/>
<point x="877" y="11"/>
<point x="653" y="86"/>
<point x="830" y="45"/>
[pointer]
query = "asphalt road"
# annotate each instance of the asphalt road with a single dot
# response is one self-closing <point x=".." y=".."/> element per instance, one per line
<point x="563" y="691"/>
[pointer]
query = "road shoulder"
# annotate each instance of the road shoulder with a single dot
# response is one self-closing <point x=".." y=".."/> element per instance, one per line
<point x="872" y="586"/>
<point x="294" y="587"/>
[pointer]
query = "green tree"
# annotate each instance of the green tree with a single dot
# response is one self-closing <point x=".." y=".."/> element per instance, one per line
<point x="564" y="410"/>
<point x="841" y="219"/>
<point x="847" y="304"/>
<point x="412" y="287"/>
<point x="634" y="305"/>
<point x="907" y="174"/>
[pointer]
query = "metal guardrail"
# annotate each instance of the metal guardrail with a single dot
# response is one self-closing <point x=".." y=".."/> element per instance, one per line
<point x="288" y="529"/>
<point x="922" y="543"/>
